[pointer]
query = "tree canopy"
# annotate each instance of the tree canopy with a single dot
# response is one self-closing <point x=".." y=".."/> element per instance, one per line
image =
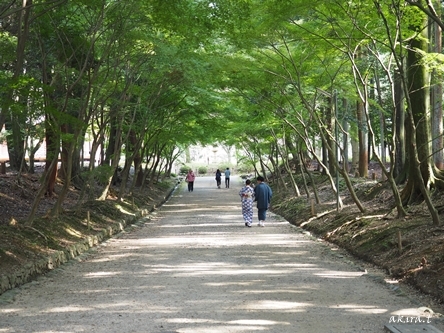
<point x="336" y="82"/>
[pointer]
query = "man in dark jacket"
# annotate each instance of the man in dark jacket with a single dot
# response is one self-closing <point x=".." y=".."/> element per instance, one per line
<point x="262" y="194"/>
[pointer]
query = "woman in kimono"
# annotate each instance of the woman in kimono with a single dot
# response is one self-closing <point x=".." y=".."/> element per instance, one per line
<point x="247" y="197"/>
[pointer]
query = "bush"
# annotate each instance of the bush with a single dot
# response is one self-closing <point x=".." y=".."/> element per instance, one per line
<point x="202" y="170"/>
<point x="245" y="168"/>
<point x="184" y="169"/>
<point x="102" y="173"/>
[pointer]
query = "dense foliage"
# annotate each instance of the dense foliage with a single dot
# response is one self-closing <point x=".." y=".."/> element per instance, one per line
<point x="288" y="82"/>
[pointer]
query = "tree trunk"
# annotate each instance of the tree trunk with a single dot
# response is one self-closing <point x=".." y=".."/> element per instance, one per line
<point x="362" y="140"/>
<point x="355" y="153"/>
<point x="112" y="141"/>
<point x="16" y="139"/>
<point x="16" y="142"/>
<point x="63" y="171"/>
<point x="52" y="153"/>
<point x="284" y="152"/>
<point x="345" y="143"/>
<point x="285" y="158"/>
<point x="418" y="80"/>
<point x="420" y="177"/>
<point x="303" y="170"/>
<point x="313" y="184"/>
<point x="137" y="157"/>
<point x="115" y="155"/>
<point x="436" y="98"/>
<point x="280" y="179"/>
<point x="58" y="207"/>
<point x="324" y="163"/>
<point x="32" y="151"/>
<point x="187" y="155"/>
<point x="155" y="166"/>
<point x="329" y="123"/>
<point x="399" y="171"/>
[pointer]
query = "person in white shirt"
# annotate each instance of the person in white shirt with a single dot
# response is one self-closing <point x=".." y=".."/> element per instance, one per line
<point x="227" y="178"/>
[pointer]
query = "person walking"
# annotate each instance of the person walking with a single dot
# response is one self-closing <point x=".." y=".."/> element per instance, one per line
<point x="247" y="199"/>
<point x="227" y="178"/>
<point x="262" y="195"/>
<point x="218" y="178"/>
<point x="190" y="180"/>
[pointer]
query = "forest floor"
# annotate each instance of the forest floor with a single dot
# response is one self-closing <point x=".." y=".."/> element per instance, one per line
<point x="22" y="243"/>
<point x="409" y="249"/>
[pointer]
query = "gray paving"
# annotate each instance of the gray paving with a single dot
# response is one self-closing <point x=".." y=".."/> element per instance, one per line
<point x="415" y="328"/>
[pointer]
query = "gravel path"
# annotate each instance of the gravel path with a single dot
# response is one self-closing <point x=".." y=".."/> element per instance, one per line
<point x="194" y="267"/>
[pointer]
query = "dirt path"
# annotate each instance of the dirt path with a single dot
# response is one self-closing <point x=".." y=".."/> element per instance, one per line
<point x="194" y="267"/>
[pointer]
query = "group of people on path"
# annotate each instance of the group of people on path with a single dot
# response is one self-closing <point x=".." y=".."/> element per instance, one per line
<point x="190" y="177"/>
<point x="261" y="194"/>
<point x="227" y="173"/>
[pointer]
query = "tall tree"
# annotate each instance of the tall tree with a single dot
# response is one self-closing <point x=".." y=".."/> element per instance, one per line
<point x="421" y="175"/>
<point x="15" y="117"/>
<point x="436" y="92"/>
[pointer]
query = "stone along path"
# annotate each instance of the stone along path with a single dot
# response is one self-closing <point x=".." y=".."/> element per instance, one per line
<point x="194" y="267"/>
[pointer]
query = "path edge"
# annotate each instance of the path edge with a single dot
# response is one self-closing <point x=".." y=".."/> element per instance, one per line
<point x="33" y="270"/>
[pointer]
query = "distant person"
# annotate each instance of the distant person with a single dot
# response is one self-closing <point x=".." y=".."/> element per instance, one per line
<point x="190" y="180"/>
<point x="218" y="178"/>
<point x="262" y="195"/>
<point x="227" y="178"/>
<point x="247" y="198"/>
